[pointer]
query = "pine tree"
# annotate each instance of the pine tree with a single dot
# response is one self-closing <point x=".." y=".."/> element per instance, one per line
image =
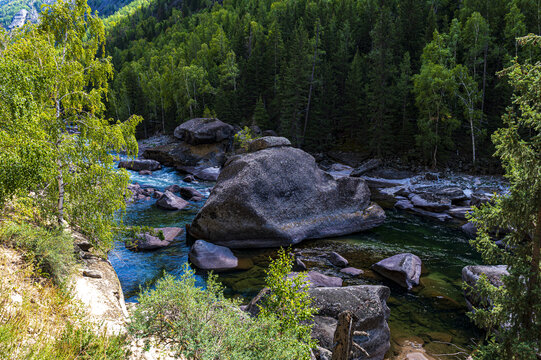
<point x="514" y="318"/>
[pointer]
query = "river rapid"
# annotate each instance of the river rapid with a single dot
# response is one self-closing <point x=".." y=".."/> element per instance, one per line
<point x="433" y="314"/>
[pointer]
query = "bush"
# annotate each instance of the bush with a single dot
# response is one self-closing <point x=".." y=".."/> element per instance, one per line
<point x="50" y="250"/>
<point x="244" y="137"/>
<point x="202" y="324"/>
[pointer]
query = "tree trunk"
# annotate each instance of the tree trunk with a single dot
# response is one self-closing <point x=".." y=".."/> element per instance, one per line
<point x="343" y="337"/>
<point x="533" y="281"/>
<point x="484" y="80"/>
<point x="311" y="85"/>
<point x="472" y="138"/>
<point x="60" y="206"/>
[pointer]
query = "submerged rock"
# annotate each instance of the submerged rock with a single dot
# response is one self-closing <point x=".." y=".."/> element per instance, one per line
<point x="404" y="269"/>
<point x="153" y="241"/>
<point x="338" y="260"/>
<point x="170" y="201"/>
<point x="208" y="256"/>
<point x="140" y="164"/>
<point x="351" y="271"/>
<point x="277" y="197"/>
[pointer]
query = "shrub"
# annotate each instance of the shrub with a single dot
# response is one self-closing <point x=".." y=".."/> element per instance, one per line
<point x="50" y="250"/>
<point x="203" y="325"/>
<point x="244" y="137"/>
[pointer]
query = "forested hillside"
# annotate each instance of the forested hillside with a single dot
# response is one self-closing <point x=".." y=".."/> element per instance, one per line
<point x="417" y="79"/>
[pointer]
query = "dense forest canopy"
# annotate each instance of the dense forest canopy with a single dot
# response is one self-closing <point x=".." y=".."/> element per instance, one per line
<point x="399" y="77"/>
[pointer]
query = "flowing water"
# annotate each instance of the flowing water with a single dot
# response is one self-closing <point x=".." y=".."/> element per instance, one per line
<point x="433" y="313"/>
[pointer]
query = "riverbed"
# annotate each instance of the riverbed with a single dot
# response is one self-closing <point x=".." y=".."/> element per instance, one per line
<point x="433" y="314"/>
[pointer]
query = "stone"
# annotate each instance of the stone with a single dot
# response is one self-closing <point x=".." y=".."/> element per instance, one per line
<point x="298" y="265"/>
<point x="404" y="269"/>
<point x="203" y="131"/>
<point x="403" y="204"/>
<point x="207" y="256"/>
<point x="173" y="188"/>
<point x="470" y="229"/>
<point x="145" y="172"/>
<point x="157" y="194"/>
<point x="470" y="275"/>
<point x="337" y="259"/>
<point x="365" y="167"/>
<point x="95" y="274"/>
<point x="188" y="193"/>
<point x="434" y="215"/>
<point x="267" y="142"/>
<point x="459" y="212"/>
<point x="432" y="176"/>
<point x="367" y="303"/>
<point x="279" y="197"/>
<point x="140" y="164"/>
<point x="351" y="271"/>
<point x="189" y="179"/>
<point x="373" y="182"/>
<point x="208" y="173"/>
<point x="179" y="154"/>
<point x="430" y="202"/>
<point x="170" y="201"/>
<point x="152" y="241"/>
<point x="317" y="279"/>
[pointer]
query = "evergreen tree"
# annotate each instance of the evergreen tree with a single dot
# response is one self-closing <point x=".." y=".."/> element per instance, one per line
<point x="513" y="318"/>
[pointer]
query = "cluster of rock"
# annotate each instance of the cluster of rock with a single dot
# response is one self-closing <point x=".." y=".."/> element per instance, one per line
<point x="198" y="147"/>
<point x="156" y="239"/>
<point x="439" y="196"/>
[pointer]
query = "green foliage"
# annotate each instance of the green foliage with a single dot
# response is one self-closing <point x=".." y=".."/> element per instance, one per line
<point x="58" y="143"/>
<point x="244" y="137"/>
<point x="50" y="250"/>
<point x="288" y="299"/>
<point x="202" y="324"/>
<point x="513" y="315"/>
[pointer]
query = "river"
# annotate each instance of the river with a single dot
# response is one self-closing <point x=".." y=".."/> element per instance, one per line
<point x="433" y="314"/>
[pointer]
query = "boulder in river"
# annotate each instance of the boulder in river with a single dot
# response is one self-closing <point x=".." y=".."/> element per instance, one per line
<point x="208" y="256"/>
<point x="278" y="196"/>
<point x="140" y="164"/>
<point x="404" y="269"/>
<point x="351" y="271"/>
<point x="338" y="260"/>
<point x="471" y="274"/>
<point x="430" y="202"/>
<point x="207" y="173"/>
<point x="153" y="241"/>
<point x="365" y="167"/>
<point x="170" y="201"/>
<point x="203" y="131"/>
<point x="179" y="153"/>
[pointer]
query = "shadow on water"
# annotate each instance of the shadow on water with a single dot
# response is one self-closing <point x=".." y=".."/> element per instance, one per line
<point x="432" y="313"/>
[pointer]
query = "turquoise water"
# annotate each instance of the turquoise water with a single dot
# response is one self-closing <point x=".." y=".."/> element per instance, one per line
<point x="431" y="313"/>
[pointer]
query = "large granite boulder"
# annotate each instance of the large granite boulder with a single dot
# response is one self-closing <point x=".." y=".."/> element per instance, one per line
<point x="278" y="196"/>
<point x="160" y="238"/>
<point x="170" y="201"/>
<point x="368" y="304"/>
<point x="208" y="256"/>
<point x="471" y="274"/>
<point x="404" y="269"/>
<point x="203" y="131"/>
<point x="140" y="164"/>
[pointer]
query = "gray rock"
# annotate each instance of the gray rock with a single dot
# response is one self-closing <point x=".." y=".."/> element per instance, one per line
<point x="470" y="275"/>
<point x="180" y="154"/>
<point x="373" y="182"/>
<point x="298" y="265"/>
<point x="403" y="204"/>
<point x="459" y="212"/>
<point x="188" y="193"/>
<point x="208" y="256"/>
<point x="189" y="179"/>
<point x="438" y="216"/>
<point x="429" y="202"/>
<point x="145" y="172"/>
<point x="267" y="142"/>
<point x="170" y="201"/>
<point x="365" y="167"/>
<point x="203" y="131"/>
<point x="140" y="164"/>
<point x="470" y="229"/>
<point x="207" y="173"/>
<point x="316" y="279"/>
<point x="479" y="198"/>
<point x="368" y="303"/>
<point x="173" y="188"/>
<point x="338" y="260"/>
<point x="152" y="241"/>
<point x="351" y="271"/>
<point x="279" y="197"/>
<point x="404" y="269"/>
